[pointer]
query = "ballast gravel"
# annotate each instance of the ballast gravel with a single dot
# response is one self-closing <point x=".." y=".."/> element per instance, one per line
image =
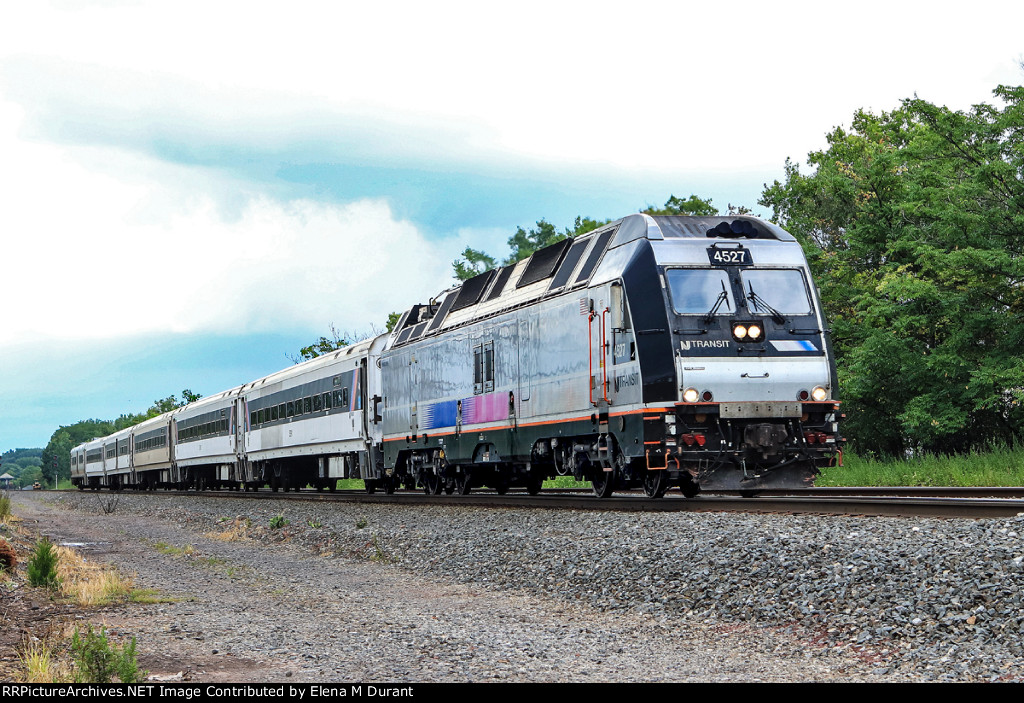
<point x="399" y="593"/>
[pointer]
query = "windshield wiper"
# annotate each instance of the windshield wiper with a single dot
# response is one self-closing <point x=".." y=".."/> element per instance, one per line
<point x="759" y="302"/>
<point x="722" y="298"/>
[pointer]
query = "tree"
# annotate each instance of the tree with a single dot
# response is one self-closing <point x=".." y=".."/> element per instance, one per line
<point x="524" y="243"/>
<point x="67" y="437"/>
<point x="694" y="206"/>
<point x="325" y="345"/>
<point x="913" y="222"/>
<point x="521" y="244"/>
<point x="339" y="340"/>
<point x="472" y="263"/>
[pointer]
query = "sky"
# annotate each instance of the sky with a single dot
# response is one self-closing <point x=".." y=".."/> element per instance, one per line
<point x="192" y="191"/>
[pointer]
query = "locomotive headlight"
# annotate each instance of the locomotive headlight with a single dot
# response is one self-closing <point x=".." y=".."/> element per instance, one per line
<point x="819" y="393"/>
<point x="747" y="332"/>
<point x="690" y="395"/>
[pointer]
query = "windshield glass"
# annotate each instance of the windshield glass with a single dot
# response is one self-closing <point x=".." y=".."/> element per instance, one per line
<point x="697" y="291"/>
<point x="779" y="289"/>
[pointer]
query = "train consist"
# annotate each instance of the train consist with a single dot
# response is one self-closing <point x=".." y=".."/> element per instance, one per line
<point x="660" y="352"/>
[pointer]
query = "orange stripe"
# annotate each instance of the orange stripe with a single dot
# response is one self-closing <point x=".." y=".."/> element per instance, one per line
<point x="538" y="423"/>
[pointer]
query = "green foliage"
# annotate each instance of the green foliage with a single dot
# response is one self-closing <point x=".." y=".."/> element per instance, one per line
<point x="278" y="521"/>
<point x="5" y="506"/>
<point x="693" y="206"/>
<point x="913" y="222"/>
<point x="42" y="565"/>
<point x="325" y="345"/>
<point x="99" y="661"/>
<point x="65" y="438"/>
<point x="339" y="340"/>
<point x="997" y="466"/>
<point x="522" y="244"/>
<point x="472" y="263"/>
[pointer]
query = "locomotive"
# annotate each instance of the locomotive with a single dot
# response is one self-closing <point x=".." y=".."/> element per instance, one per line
<point x="653" y="352"/>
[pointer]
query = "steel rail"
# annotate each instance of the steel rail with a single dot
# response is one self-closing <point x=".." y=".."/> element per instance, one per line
<point x="802" y="502"/>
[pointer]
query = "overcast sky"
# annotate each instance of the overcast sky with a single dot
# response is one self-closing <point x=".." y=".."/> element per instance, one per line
<point x="191" y="191"/>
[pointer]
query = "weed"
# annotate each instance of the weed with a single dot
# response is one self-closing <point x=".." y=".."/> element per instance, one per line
<point x="42" y="664"/>
<point x="89" y="583"/>
<point x="213" y="561"/>
<point x="229" y="534"/>
<point x="108" y="503"/>
<point x="42" y="566"/>
<point x="379" y="555"/>
<point x="361" y="523"/>
<point x="315" y="524"/>
<point x="165" y="548"/>
<point x="99" y="661"/>
<point x="5" y="507"/>
<point x="149" y="596"/>
<point x="278" y="521"/>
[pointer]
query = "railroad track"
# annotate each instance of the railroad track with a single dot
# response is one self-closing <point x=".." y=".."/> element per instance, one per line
<point x="896" y="502"/>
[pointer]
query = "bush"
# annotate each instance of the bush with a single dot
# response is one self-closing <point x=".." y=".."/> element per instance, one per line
<point x="5" y="507"/>
<point x="278" y="521"/>
<point x="42" y="566"/>
<point x="98" y="661"/>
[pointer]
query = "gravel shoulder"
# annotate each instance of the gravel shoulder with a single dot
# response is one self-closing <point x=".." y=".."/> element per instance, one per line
<point x="357" y="592"/>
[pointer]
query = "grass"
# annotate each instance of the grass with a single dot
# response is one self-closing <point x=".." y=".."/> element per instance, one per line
<point x="165" y="548"/>
<point x="42" y="663"/>
<point x="997" y="467"/>
<point x="232" y="533"/>
<point x="149" y="596"/>
<point x="88" y="583"/>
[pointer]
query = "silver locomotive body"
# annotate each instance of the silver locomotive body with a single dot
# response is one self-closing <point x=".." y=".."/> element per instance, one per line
<point x="654" y="351"/>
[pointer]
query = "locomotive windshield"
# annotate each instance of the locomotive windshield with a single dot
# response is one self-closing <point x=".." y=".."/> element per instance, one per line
<point x="698" y="291"/>
<point x="773" y="291"/>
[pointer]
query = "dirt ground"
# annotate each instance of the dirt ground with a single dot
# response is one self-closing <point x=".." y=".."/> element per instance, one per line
<point x="29" y="614"/>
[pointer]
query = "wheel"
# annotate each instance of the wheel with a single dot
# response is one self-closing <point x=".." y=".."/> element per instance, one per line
<point x="604" y="484"/>
<point x="462" y="484"/>
<point x="534" y="484"/>
<point x="432" y="484"/>
<point x="371" y="486"/>
<point x="656" y="483"/>
<point x="449" y="486"/>
<point x="688" y="486"/>
<point x="389" y="485"/>
<point x="501" y="488"/>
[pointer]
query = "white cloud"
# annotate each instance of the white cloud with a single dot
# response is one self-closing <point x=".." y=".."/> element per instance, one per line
<point x="662" y="86"/>
<point x="91" y="255"/>
<point x="102" y="238"/>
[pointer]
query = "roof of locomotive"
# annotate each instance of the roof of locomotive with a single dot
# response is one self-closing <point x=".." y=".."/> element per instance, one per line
<point x="567" y="265"/>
